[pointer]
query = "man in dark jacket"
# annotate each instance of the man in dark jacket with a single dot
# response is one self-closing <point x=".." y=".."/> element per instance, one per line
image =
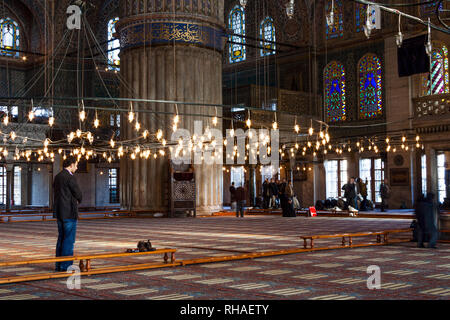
<point x="273" y="189"/>
<point x="425" y="213"/>
<point x="240" y="201"/>
<point x="350" y="193"/>
<point x="385" y="193"/>
<point x="232" y="196"/>
<point x="67" y="196"/>
<point x="266" y="194"/>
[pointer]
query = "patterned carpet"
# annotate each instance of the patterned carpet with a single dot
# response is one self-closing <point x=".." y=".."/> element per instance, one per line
<point x="406" y="271"/>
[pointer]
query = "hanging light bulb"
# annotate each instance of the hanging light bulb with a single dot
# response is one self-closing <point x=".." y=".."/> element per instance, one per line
<point x="51" y="121"/>
<point x="297" y="128"/>
<point x="232" y="133"/>
<point x="78" y="132"/>
<point x="368" y="25"/>
<point x="290" y="9"/>
<point x="275" y="125"/>
<point x="215" y="121"/>
<point x="403" y="139"/>
<point x="31" y="115"/>
<point x="330" y="17"/>
<point x="428" y="45"/>
<point x="130" y="116"/>
<point x="248" y="122"/>
<point x="137" y="126"/>
<point x="112" y="143"/>
<point x="399" y="36"/>
<point x="5" y="120"/>
<point x="311" y="131"/>
<point x="145" y="134"/>
<point x="82" y="115"/>
<point x="159" y="134"/>
<point x="96" y="122"/>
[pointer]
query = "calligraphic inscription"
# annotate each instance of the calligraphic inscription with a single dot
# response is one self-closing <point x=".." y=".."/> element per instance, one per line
<point x="166" y="33"/>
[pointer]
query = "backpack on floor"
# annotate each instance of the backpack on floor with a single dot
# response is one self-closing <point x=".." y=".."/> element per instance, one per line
<point x="144" y="246"/>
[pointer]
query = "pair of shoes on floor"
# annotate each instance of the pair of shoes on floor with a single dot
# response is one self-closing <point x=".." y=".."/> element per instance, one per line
<point x="337" y="209"/>
<point x="351" y="209"/>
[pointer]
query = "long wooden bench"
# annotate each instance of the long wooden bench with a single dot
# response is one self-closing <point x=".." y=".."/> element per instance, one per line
<point x="85" y="262"/>
<point x="350" y="236"/>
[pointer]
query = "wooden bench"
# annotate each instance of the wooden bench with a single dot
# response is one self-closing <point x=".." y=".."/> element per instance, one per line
<point x="85" y="260"/>
<point x="49" y="216"/>
<point x="349" y="237"/>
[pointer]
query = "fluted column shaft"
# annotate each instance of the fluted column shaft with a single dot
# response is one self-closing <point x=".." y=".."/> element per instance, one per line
<point x="186" y="72"/>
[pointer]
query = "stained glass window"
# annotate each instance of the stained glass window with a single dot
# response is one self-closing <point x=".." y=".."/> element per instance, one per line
<point x="439" y="72"/>
<point x="336" y="29"/>
<point x="236" y="22"/>
<point x="334" y="87"/>
<point x="113" y="46"/>
<point x="9" y="37"/>
<point x="267" y="32"/>
<point x="370" y="87"/>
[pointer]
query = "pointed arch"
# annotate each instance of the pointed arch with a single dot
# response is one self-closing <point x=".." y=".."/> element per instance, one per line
<point x="236" y="23"/>
<point x="439" y="76"/>
<point x="9" y="37"/>
<point x="370" y="99"/>
<point x="334" y="92"/>
<point x="267" y="32"/>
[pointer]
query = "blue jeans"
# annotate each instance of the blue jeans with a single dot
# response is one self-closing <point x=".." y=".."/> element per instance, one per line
<point x="67" y="230"/>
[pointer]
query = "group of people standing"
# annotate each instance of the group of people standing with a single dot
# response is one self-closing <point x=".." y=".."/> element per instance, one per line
<point x="277" y="194"/>
<point x="355" y="192"/>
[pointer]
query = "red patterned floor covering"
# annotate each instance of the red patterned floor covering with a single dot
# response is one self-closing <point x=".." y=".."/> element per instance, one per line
<point x="406" y="271"/>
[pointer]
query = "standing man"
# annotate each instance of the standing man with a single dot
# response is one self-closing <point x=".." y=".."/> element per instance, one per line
<point x="233" y="196"/>
<point x="240" y="201"/>
<point x="426" y="218"/>
<point x="273" y="190"/>
<point x="385" y="193"/>
<point x="266" y="194"/>
<point x="350" y="194"/>
<point x="67" y="196"/>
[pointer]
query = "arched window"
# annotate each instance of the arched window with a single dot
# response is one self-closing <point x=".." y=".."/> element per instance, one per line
<point x="439" y="72"/>
<point x="334" y="91"/>
<point x="236" y="22"/>
<point x="335" y="30"/>
<point x="370" y="87"/>
<point x="9" y="37"/>
<point x="113" y="46"/>
<point x="267" y="32"/>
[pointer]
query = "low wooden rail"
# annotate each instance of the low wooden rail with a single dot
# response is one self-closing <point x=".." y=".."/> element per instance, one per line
<point x="86" y="265"/>
<point x="10" y="218"/>
<point x="350" y="236"/>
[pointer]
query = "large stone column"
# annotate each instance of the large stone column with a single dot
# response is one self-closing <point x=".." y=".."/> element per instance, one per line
<point x="170" y="51"/>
